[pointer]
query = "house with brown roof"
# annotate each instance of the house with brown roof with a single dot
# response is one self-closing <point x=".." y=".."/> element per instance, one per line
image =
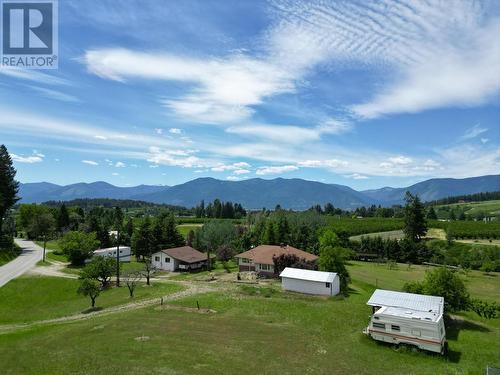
<point x="260" y="258"/>
<point x="183" y="258"/>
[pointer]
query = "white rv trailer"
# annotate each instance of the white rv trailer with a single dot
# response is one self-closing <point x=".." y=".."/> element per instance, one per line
<point x="408" y="318"/>
<point x="124" y="256"/>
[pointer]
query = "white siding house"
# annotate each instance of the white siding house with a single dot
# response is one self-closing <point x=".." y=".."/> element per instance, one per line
<point x="111" y="252"/>
<point x="310" y="282"/>
<point x="183" y="258"/>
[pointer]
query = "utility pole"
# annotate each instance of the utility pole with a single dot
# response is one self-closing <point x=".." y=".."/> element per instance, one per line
<point x="118" y="226"/>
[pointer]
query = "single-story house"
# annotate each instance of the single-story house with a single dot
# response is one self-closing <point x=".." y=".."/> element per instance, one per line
<point x="260" y="258"/>
<point x="124" y="255"/>
<point x="183" y="258"/>
<point x="310" y="282"/>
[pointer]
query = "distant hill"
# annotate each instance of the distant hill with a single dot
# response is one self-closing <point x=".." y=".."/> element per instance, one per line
<point x="256" y="193"/>
<point x="436" y="188"/>
<point x="44" y="191"/>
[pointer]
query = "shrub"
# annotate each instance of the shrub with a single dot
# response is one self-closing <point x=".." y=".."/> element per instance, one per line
<point x="444" y="283"/>
<point x="488" y="310"/>
<point x="78" y="246"/>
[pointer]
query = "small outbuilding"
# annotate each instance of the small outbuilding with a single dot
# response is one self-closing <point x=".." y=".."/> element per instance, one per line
<point x="183" y="258"/>
<point x="310" y="282"/>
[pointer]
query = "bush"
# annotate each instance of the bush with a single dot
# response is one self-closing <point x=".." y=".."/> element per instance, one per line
<point x="78" y="246"/>
<point x="444" y="283"/>
<point x="488" y="310"/>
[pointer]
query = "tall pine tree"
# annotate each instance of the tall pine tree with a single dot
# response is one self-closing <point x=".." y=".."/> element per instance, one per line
<point x="9" y="187"/>
<point x="415" y="223"/>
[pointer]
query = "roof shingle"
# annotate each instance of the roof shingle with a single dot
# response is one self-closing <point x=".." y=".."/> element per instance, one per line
<point x="264" y="254"/>
<point x="185" y="254"/>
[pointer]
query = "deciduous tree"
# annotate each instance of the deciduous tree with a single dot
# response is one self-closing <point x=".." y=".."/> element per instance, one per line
<point x="90" y="288"/>
<point x="78" y="246"/>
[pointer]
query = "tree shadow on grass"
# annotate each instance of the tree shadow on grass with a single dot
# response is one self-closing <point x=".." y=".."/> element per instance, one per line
<point x="457" y="324"/>
<point x="453" y="356"/>
<point x="91" y="310"/>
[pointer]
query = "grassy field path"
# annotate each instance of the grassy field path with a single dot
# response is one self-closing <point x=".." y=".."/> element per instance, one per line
<point x="190" y="290"/>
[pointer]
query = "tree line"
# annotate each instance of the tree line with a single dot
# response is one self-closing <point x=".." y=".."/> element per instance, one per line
<point x="220" y="210"/>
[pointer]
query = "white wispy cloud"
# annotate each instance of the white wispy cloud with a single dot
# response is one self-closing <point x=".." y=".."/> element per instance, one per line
<point x="440" y="55"/>
<point x="226" y="87"/>
<point x="177" y="158"/>
<point x="34" y="76"/>
<point x="36" y="157"/>
<point x="356" y="176"/>
<point x="56" y="94"/>
<point x="120" y="164"/>
<point x="220" y="167"/>
<point x="175" y="131"/>
<point x="90" y="162"/>
<point x="233" y="178"/>
<point x="473" y="132"/>
<point x="266" y="170"/>
<point x="241" y="171"/>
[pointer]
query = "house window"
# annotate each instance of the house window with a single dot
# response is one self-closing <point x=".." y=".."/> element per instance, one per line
<point x="245" y="260"/>
<point x="328" y="285"/>
<point x="378" y="325"/>
<point x="395" y="328"/>
<point x="157" y="259"/>
<point x="167" y="260"/>
<point x="265" y="267"/>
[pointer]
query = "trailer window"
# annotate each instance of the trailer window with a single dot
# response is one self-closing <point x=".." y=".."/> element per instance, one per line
<point x="415" y="332"/>
<point x="378" y="325"/>
<point x="395" y="328"/>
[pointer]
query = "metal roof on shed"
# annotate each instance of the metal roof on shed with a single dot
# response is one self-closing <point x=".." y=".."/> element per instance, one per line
<point x="309" y="275"/>
<point x="411" y="301"/>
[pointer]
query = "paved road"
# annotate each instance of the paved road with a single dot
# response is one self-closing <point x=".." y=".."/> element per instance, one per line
<point x="31" y="254"/>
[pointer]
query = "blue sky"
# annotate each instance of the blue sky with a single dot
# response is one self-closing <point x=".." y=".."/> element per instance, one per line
<point x="367" y="94"/>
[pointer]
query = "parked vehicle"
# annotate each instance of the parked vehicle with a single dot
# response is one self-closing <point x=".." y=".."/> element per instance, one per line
<point x="407" y="318"/>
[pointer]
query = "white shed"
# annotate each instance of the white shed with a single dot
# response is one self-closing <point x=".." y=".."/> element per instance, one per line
<point x="310" y="282"/>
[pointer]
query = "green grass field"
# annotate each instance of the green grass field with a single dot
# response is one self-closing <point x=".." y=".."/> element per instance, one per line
<point x="252" y="329"/>
<point x="185" y="228"/>
<point x="249" y="333"/>
<point x="478" y="284"/>
<point x="27" y="299"/>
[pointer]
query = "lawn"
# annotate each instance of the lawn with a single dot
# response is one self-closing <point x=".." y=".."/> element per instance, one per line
<point x="7" y="256"/>
<point x="479" y="285"/>
<point x="250" y="333"/>
<point x="28" y="299"/>
<point x="185" y="228"/>
<point x="218" y="268"/>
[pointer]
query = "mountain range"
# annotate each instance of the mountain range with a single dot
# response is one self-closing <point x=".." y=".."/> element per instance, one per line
<point x="256" y="193"/>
